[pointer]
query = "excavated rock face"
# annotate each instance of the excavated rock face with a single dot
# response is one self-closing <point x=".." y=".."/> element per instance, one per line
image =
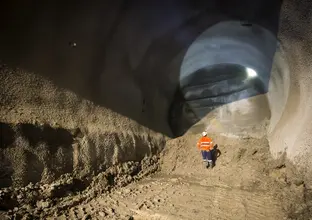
<point x="37" y="201"/>
<point x="115" y="77"/>
<point x="47" y="131"/>
<point x="35" y="153"/>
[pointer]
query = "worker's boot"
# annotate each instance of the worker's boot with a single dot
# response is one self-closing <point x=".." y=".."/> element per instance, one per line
<point x="205" y="163"/>
<point x="210" y="164"/>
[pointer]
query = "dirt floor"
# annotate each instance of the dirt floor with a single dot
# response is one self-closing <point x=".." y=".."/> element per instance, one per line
<point x="58" y="116"/>
<point x="245" y="184"/>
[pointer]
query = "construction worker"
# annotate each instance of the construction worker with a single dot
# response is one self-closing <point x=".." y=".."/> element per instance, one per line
<point x="205" y="145"/>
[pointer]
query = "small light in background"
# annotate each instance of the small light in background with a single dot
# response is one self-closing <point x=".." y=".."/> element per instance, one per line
<point x="72" y="44"/>
<point x="251" y="73"/>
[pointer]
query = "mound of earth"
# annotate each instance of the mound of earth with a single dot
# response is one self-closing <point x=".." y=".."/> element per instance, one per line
<point x="38" y="201"/>
<point x="246" y="183"/>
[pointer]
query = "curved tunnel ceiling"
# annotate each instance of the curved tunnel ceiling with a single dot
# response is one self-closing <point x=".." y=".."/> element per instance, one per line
<point x="231" y="43"/>
<point x="215" y="69"/>
<point x="131" y="55"/>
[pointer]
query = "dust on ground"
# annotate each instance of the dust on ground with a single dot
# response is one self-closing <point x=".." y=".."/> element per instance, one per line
<point x="245" y="184"/>
<point x="38" y="201"/>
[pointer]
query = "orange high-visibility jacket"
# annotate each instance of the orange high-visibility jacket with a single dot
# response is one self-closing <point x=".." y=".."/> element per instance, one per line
<point x="205" y="143"/>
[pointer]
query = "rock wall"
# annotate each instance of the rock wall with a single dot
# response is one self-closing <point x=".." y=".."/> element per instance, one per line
<point x="101" y="51"/>
<point x="292" y="132"/>
<point x="111" y="70"/>
<point x="47" y="131"/>
<point x="283" y="114"/>
<point x="76" y="70"/>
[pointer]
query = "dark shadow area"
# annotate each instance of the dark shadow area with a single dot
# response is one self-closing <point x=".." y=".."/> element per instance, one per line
<point x="7" y="138"/>
<point x="216" y="154"/>
<point x="77" y="185"/>
<point x="53" y="151"/>
<point x="53" y="140"/>
<point x="7" y="135"/>
<point x="8" y="202"/>
<point x="52" y="137"/>
<point x="110" y="179"/>
<point x="6" y="171"/>
<point x="140" y="148"/>
<point x="181" y="116"/>
<point x="109" y="39"/>
<point x="34" y="168"/>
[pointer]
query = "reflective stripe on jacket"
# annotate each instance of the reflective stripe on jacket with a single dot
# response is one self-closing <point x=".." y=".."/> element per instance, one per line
<point x="205" y="143"/>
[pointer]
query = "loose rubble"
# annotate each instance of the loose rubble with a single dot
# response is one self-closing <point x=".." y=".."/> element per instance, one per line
<point x="37" y="201"/>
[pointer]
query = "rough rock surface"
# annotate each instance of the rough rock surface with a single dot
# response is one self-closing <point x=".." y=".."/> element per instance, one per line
<point x="71" y="87"/>
<point x="58" y="116"/>
<point x="47" y="131"/>
<point x="37" y="201"/>
<point x="246" y="183"/>
<point x="41" y="153"/>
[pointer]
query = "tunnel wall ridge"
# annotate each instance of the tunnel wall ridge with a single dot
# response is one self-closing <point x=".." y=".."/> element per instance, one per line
<point x="47" y="131"/>
<point x="290" y="131"/>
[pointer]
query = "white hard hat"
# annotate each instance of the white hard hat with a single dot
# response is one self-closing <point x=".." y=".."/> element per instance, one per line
<point x="204" y="133"/>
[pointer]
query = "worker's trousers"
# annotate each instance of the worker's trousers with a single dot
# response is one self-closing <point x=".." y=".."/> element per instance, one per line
<point x="207" y="155"/>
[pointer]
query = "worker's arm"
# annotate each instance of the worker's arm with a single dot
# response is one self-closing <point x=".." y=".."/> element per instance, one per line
<point x="198" y="144"/>
<point x="211" y="145"/>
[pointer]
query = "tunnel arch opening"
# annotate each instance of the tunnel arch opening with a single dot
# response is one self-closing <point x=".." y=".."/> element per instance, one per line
<point x="214" y="76"/>
<point x="219" y="80"/>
